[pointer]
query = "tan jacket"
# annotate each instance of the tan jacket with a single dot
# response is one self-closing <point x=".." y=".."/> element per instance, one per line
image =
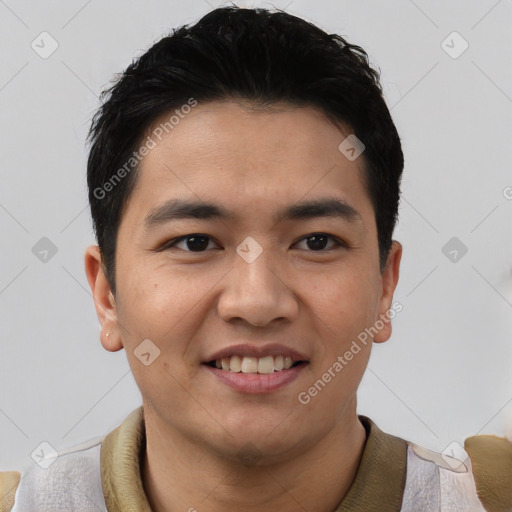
<point x="393" y="476"/>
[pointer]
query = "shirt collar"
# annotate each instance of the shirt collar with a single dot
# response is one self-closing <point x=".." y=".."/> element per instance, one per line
<point x="380" y="479"/>
<point x="121" y="458"/>
<point x="378" y="486"/>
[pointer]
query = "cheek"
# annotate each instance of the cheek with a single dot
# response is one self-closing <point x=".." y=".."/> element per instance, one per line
<point x="163" y="309"/>
<point x="346" y="301"/>
<point x="163" y="304"/>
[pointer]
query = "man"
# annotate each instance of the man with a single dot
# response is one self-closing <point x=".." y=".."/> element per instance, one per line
<point x="244" y="179"/>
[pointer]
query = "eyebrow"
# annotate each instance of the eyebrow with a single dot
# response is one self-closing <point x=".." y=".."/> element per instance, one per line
<point x="178" y="209"/>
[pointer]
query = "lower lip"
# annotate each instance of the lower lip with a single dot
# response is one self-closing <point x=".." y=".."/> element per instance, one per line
<point x="257" y="382"/>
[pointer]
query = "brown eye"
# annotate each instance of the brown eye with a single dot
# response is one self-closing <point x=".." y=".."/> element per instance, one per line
<point x="194" y="242"/>
<point x="317" y="242"/>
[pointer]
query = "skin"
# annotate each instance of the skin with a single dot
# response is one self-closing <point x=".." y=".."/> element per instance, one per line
<point x="191" y="304"/>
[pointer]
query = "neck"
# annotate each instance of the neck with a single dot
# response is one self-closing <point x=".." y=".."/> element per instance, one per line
<point x="181" y="475"/>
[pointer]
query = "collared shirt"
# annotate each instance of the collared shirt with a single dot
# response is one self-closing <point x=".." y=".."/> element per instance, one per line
<point x="104" y="475"/>
<point x="379" y="483"/>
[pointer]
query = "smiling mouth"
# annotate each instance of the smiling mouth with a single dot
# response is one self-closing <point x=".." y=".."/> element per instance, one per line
<point x="249" y="364"/>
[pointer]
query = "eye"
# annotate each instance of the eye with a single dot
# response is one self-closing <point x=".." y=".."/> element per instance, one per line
<point x="194" y="242"/>
<point x="198" y="242"/>
<point x="318" y="241"/>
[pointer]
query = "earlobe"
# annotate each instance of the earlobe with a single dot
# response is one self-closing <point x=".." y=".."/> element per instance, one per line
<point x="389" y="278"/>
<point x="104" y="300"/>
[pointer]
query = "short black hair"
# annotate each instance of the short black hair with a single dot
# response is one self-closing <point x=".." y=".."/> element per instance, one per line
<point x="233" y="53"/>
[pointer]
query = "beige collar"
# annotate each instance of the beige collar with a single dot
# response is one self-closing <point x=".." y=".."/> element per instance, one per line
<point x="121" y="458"/>
<point x="380" y="480"/>
<point x="378" y="486"/>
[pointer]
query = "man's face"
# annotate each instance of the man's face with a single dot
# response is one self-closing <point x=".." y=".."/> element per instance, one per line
<point x="302" y="286"/>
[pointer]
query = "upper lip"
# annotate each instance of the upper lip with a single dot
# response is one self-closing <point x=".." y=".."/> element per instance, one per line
<point x="271" y="349"/>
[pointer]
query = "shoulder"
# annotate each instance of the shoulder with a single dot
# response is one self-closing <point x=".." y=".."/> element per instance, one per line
<point x="491" y="458"/>
<point x="55" y="480"/>
<point x="423" y="480"/>
<point x="9" y="481"/>
<point x="482" y="482"/>
<point x="437" y="480"/>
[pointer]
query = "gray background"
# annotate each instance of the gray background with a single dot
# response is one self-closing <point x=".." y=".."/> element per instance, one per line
<point x="445" y="374"/>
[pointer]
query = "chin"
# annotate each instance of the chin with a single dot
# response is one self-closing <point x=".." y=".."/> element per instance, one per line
<point x="253" y="452"/>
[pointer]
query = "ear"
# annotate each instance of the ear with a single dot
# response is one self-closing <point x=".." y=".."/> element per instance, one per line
<point x="103" y="299"/>
<point x="389" y="278"/>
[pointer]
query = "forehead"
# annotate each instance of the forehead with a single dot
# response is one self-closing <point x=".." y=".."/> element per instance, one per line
<point x="288" y="132"/>
<point x="223" y="152"/>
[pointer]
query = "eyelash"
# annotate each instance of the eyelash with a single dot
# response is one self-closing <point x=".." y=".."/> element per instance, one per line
<point x="171" y="243"/>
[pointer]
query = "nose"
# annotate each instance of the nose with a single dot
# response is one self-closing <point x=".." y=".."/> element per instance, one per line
<point x="257" y="293"/>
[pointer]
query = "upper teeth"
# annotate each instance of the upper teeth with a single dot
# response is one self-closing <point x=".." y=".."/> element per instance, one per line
<point x="245" y="364"/>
